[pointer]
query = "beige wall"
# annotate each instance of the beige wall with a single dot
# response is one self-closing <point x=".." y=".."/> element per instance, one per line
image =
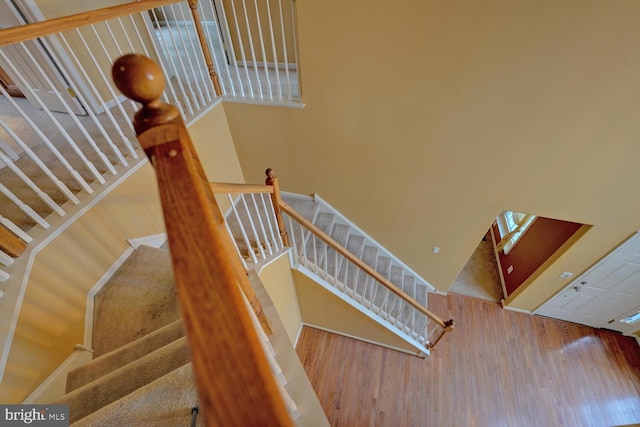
<point x="52" y="317"/>
<point x="278" y="280"/>
<point x="424" y="119"/>
<point x="322" y="309"/>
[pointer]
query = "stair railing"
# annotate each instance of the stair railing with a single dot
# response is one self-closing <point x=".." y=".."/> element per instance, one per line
<point x="325" y="257"/>
<point x="235" y="384"/>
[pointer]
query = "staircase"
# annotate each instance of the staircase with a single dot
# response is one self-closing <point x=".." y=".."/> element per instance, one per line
<point x="141" y="373"/>
<point x="320" y="262"/>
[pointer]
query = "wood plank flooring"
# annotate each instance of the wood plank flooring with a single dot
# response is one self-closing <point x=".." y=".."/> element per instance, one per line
<point x="498" y="368"/>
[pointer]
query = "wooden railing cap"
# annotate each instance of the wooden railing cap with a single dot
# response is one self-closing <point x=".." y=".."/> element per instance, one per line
<point x="138" y="78"/>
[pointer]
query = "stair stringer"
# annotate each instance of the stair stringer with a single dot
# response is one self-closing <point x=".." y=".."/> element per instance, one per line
<point x="421" y="350"/>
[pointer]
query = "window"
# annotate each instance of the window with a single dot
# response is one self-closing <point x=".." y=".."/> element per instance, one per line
<point x="512" y="226"/>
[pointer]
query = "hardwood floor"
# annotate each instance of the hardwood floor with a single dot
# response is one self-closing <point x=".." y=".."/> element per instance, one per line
<point x="497" y="368"/>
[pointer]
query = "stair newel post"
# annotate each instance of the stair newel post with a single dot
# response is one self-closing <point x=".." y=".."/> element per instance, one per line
<point x="448" y="327"/>
<point x="193" y="4"/>
<point x="276" y="199"/>
<point x="235" y="384"/>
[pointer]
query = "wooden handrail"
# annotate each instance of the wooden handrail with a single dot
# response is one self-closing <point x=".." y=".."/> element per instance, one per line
<point x="224" y="187"/>
<point x="361" y="264"/>
<point x="45" y="28"/>
<point x="235" y="384"/>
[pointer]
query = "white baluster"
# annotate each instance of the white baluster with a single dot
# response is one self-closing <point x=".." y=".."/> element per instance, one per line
<point x="253" y="53"/>
<point x="235" y="244"/>
<point x="272" y="222"/>
<point x="105" y="108"/>
<point x="174" y="69"/>
<point x="32" y="185"/>
<point x="275" y="220"/>
<point x="78" y="124"/>
<point x="261" y="224"/>
<point x="198" y="57"/>
<point x="6" y="259"/>
<point x="217" y="61"/>
<point x="253" y="227"/>
<point x="15" y="229"/>
<point x="4" y="276"/>
<point x="262" y="50"/>
<point x="274" y="51"/>
<point x="169" y="87"/>
<point x="284" y="51"/>
<point x="24" y="207"/>
<point x="242" y="230"/>
<point x="295" y="39"/>
<point x="242" y="54"/>
<point x="37" y="130"/>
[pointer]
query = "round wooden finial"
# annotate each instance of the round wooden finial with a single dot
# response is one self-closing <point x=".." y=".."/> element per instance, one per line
<point x="138" y="78"/>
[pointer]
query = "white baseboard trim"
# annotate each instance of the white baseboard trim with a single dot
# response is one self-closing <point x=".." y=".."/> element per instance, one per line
<point x="295" y="343"/>
<point x="77" y="358"/>
<point x="416" y="353"/>
<point x="88" y="316"/>
<point x="154" y="241"/>
<point x="517" y="310"/>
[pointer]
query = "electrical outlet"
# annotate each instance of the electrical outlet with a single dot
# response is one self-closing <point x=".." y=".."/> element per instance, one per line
<point x="436" y="249"/>
<point x="566" y="275"/>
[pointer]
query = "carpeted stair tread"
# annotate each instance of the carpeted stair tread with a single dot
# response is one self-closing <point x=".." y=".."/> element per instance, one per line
<point x="128" y="353"/>
<point x="165" y="402"/>
<point x="117" y="384"/>
<point x="138" y="299"/>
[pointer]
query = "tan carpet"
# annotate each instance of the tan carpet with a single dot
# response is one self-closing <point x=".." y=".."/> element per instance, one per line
<point x="479" y="278"/>
<point x="138" y="299"/>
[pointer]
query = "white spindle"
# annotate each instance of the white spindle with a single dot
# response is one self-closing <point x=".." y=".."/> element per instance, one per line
<point x="5" y="259"/>
<point x="4" y="276"/>
<point x="293" y="237"/>
<point x="242" y="230"/>
<point x="275" y="222"/>
<point x="304" y="243"/>
<point x="23" y="206"/>
<point x="325" y="262"/>
<point x="253" y="52"/>
<point x="242" y="54"/>
<point x="261" y="224"/>
<point x="295" y="41"/>
<point x="284" y="51"/>
<point x="274" y="50"/>
<point x="315" y="252"/>
<point x="253" y="227"/>
<point x="168" y="87"/>
<point x="217" y="61"/>
<point x="185" y="98"/>
<point x="235" y="244"/>
<point x="262" y="50"/>
<point x="8" y="150"/>
<point x="65" y="190"/>
<point x="198" y="56"/>
<point x="32" y="185"/>
<point x="39" y="132"/>
<point x="105" y="108"/>
<point x="77" y="122"/>
<point x="107" y="82"/>
<point x="335" y="265"/>
<point x="272" y="222"/>
<point x="177" y="50"/>
<point x="15" y="229"/>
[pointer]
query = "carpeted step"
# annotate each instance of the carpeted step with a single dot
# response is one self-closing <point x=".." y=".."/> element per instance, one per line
<point x="165" y="402"/>
<point x="117" y="384"/>
<point x="128" y="353"/>
<point x="138" y="299"/>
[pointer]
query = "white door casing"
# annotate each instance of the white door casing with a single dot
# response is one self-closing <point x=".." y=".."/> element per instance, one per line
<point x="604" y="294"/>
<point x="25" y="73"/>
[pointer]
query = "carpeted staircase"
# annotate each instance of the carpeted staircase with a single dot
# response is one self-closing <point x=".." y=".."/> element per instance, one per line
<point x="141" y="374"/>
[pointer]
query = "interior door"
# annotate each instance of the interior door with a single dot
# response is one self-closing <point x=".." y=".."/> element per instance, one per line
<point x="20" y="66"/>
<point x="604" y="293"/>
